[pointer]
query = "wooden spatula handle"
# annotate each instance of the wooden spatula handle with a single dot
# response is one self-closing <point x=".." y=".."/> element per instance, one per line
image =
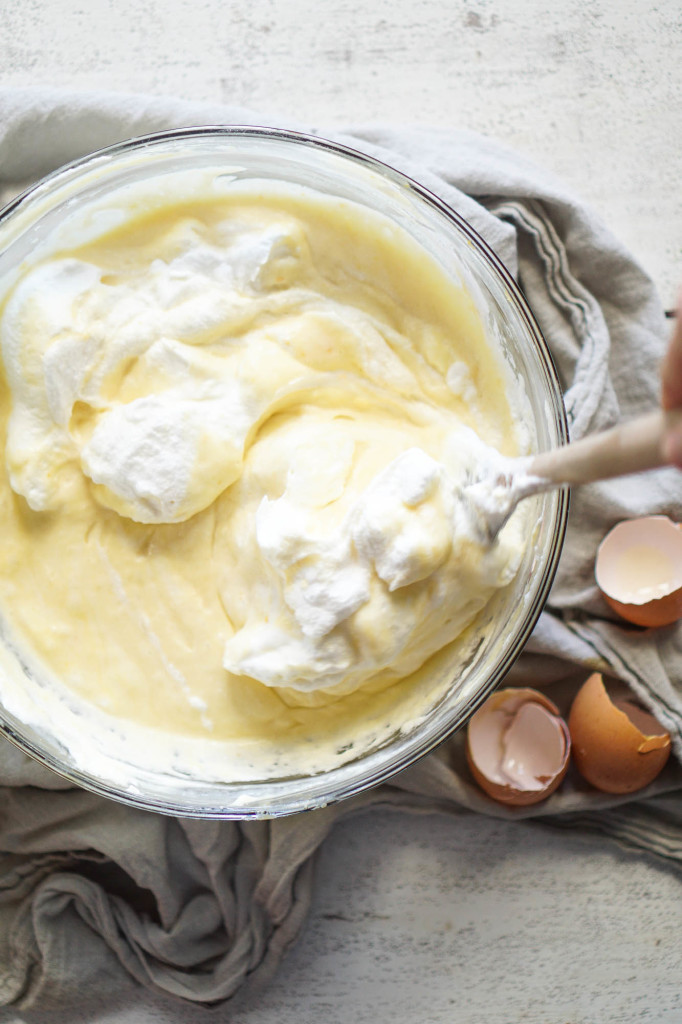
<point x="630" y="447"/>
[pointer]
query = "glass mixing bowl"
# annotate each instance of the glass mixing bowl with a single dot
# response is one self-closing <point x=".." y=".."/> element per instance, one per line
<point x="37" y="217"/>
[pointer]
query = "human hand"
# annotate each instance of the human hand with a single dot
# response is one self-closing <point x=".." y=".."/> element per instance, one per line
<point x="671" y="388"/>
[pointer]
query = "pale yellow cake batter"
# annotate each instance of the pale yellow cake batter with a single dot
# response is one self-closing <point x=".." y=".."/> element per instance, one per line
<point x="234" y="433"/>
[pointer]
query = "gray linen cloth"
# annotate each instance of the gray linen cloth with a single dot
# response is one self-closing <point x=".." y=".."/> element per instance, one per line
<point x="93" y="893"/>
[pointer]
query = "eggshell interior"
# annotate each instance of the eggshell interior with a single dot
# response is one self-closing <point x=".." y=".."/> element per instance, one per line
<point x="533" y="748"/>
<point x="518" y="746"/>
<point x="654" y="736"/>
<point x="640" y="560"/>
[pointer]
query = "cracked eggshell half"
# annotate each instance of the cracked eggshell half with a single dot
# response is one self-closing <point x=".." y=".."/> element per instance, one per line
<point x="618" y="747"/>
<point x="518" y="747"/>
<point x="639" y="570"/>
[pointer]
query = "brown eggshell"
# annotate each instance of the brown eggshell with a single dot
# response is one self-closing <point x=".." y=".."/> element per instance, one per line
<point x="496" y="715"/>
<point x="617" y="746"/>
<point x="638" y="569"/>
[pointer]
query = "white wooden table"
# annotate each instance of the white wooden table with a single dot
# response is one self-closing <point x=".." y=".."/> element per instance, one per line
<point x="589" y="88"/>
<point x="439" y="920"/>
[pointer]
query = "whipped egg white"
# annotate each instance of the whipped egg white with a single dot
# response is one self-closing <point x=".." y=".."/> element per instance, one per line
<point x="236" y="434"/>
